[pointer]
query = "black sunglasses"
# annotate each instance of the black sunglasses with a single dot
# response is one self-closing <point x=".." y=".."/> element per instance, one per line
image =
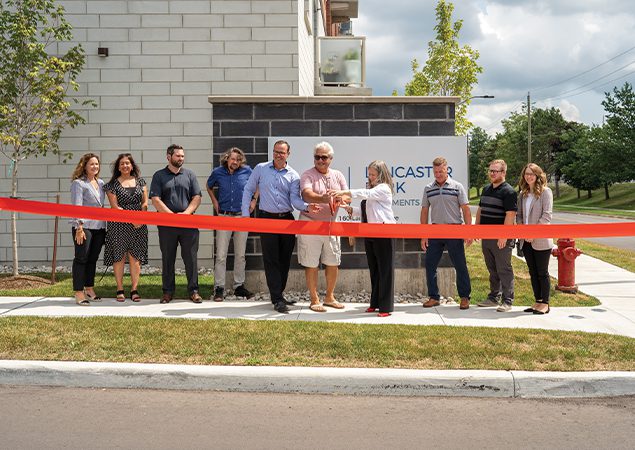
<point x="322" y="157"/>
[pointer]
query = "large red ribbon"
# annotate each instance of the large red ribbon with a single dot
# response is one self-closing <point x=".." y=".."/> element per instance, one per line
<point x="415" y="231"/>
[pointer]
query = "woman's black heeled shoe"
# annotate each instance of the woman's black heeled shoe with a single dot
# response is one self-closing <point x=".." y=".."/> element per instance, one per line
<point x="134" y="296"/>
<point x="529" y="310"/>
<point x="121" y="296"/>
<point x="541" y="312"/>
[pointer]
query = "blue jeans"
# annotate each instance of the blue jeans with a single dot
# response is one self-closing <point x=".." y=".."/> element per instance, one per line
<point x="456" y="251"/>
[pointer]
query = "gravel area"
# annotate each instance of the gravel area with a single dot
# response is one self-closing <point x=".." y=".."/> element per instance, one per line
<point x="145" y="270"/>
<point x="344" y="297"/>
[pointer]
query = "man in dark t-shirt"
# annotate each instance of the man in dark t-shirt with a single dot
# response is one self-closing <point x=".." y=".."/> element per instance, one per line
<point x="498" y="207"/>
<point x="175" y="190"/>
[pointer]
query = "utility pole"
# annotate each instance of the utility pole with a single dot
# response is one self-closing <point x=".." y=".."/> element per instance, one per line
<point x="528" y="127"/>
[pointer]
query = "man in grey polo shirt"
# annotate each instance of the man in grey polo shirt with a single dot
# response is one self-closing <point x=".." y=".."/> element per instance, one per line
<point x="175" y="190"/>
<point x="443" y="202"/>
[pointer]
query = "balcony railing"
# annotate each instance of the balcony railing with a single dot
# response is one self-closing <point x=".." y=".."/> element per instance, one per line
<point x="342" y="61"/>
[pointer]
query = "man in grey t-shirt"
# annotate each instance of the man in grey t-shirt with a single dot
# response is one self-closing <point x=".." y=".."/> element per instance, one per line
<point x="443" y="202"/>
<point x="175" y="190"/>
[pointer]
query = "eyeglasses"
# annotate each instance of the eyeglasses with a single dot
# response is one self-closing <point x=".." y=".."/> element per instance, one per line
<point x="322" y="157"/>
<point x="495" y="171"/>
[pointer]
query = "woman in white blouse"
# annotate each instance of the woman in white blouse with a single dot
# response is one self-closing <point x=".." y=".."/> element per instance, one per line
<point x="377" y="208"/>
<point x="535" y="204"/>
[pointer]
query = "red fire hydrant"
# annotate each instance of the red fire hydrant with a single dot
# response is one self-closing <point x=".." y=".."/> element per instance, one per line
<point x="566" y="254"/>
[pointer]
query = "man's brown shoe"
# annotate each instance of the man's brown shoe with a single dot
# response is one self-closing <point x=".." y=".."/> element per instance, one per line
<point x="195" y="297"/>
<point x="167" y="298"/>
<point x="431" y="302"/>
<point x="465" y="303"/>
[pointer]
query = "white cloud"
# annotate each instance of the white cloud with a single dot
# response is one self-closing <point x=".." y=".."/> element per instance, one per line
<point x="524" y="45"/>
<point x="489" y="115"/>
<point x="569" y="110"/>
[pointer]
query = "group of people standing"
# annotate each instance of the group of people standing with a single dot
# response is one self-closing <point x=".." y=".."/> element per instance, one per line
<point x="126" y="190"/>
<point x="501" y="205"/>
<point x="445" y="201"/>
<point x="174" y="189"/>
<point x="275" y="190"/>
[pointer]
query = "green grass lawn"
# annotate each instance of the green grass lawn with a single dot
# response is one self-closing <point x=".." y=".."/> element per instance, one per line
<point x="297" y="343"/>
<point x="616" y="256"/>
<point x="622" y="196"/>
<point x="281" y="343"/>
<point x="523" y="293"/>
<point x="150" y="285"/>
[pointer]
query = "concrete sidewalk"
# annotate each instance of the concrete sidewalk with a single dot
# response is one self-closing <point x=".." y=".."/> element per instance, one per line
<point x="613" y="286"/>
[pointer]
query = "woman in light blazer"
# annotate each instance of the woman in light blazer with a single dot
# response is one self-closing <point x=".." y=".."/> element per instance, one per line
<point x="535" y="205"/>
<point x="377" y="208"/>
<point x="87" y="189"/>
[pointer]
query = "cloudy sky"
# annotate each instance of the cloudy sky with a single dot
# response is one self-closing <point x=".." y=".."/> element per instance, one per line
<point x="524" y="46"/>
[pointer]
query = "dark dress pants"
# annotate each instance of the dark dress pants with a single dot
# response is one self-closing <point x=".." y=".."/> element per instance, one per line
<point x="86" y="257"/>
<point x="538" y="265"/>
<point x="380" y="253"/>
<point x="499" y="265"/>
<point x="456" y="250"/>
<point x="276" y="256"/>
<point x="169" y="239"/>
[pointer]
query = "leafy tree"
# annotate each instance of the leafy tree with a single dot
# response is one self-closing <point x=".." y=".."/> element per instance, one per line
<point x="34" y="85"/>
<point x="604" y="154"/>
<point x="620" y="125"/>
<point x="547" y="130"/>
<point x="480" y="154"/>
<point x="569" y="137"/>
<point x="450" y="70"/>
<point x="608" y="162"/>
<point x="578" y="164"/>
<point x="550" y="136"/>
<point x="511" y="145"/>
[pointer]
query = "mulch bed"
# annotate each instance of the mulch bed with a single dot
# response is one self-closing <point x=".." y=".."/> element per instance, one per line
<point x="23" y="282"/>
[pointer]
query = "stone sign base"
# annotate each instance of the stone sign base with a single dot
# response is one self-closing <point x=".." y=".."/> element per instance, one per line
<point x="407" y="281"/>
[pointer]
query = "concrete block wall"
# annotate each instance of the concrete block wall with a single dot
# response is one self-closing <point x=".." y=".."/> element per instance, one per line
<point x="247" y="122"/>
<point x="165" y="58"/>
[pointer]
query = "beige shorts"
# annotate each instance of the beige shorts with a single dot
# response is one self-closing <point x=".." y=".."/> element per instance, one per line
<point x="315" y="249"/>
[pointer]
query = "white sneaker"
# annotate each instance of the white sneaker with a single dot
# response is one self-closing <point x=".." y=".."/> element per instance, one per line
<point x="504" y="307"/>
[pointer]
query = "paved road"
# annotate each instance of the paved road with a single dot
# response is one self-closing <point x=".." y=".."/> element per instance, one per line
<point x="626" y="242"/>
<point x="35" y="417"/>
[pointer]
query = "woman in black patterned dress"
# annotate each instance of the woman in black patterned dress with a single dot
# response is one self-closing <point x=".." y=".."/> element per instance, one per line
<point x="126" y="190"/>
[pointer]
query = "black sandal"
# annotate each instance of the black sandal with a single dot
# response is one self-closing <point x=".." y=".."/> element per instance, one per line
<point x="134" y="295"/>
<point x="121" y="296"/>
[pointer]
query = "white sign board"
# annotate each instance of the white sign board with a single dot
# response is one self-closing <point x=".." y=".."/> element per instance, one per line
<point x="408" y="158"/>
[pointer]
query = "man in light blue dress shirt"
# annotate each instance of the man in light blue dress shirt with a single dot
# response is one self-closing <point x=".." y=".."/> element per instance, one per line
<point x="279" y="187"/>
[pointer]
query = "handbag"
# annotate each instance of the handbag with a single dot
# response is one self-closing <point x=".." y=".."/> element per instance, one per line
<point x="519" y="249"/>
